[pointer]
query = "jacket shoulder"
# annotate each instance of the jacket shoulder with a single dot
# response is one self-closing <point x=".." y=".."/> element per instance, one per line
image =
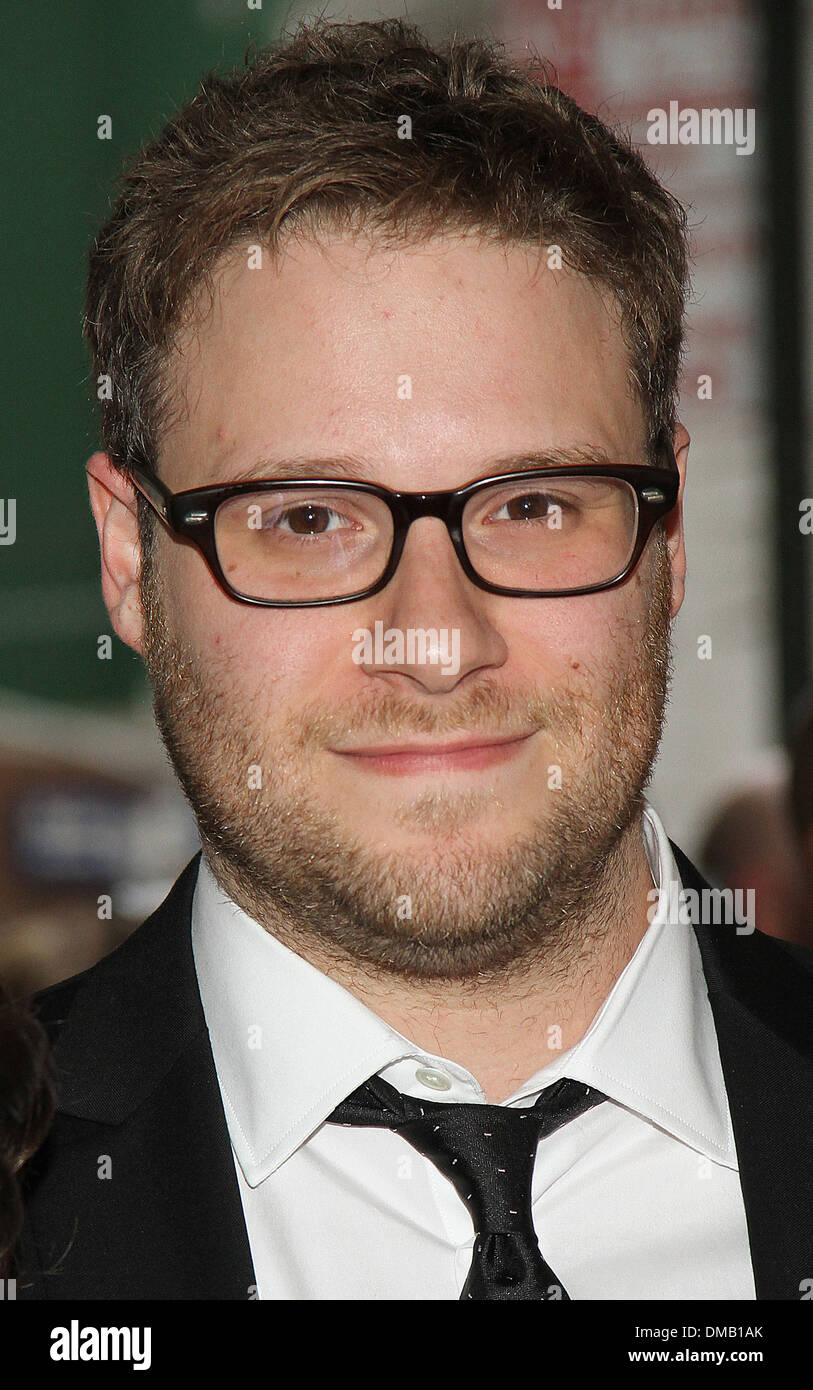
<point x="802" y="955"/>
<point x="772" y="979"/>
<point x="784" y="952"/>
<point x="54" y="1004"/>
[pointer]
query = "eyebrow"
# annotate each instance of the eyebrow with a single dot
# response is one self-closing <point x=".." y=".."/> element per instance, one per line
<point x="350" y="466"/>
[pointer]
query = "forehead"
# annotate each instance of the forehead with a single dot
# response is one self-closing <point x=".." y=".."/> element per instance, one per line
<point x="423" y="359"/>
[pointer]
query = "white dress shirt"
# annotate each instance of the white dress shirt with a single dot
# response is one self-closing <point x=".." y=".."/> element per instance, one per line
<point x="639" y="1198"/>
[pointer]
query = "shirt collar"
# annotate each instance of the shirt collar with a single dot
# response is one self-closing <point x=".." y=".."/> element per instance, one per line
<point x="290" y="1043"/>
<point x="652" y="1046"/>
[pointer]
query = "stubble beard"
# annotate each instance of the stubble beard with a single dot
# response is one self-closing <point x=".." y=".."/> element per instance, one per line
<point x="468" y="907"/>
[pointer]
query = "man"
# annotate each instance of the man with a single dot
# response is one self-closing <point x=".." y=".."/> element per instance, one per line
<point x="422" y="1021"/>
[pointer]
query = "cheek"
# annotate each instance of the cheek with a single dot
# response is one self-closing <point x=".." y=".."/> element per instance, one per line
<point x="590" y="636"/>
<point x="252" y="651"/>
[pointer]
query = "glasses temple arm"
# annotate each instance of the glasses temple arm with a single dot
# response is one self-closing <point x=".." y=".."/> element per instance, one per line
<point x="153" y="489"/>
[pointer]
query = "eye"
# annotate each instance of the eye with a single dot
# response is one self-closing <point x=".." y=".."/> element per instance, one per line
<point x="530" y="505"/>
<point x="304" y="518"/>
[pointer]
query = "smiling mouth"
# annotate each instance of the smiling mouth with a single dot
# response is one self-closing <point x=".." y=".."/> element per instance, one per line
<point x="405" y="758"/>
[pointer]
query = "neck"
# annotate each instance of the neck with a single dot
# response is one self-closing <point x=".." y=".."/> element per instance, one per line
<point x="504" y="1029"/>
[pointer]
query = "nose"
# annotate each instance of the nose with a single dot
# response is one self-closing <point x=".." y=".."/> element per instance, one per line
<point x="432" y="626"/>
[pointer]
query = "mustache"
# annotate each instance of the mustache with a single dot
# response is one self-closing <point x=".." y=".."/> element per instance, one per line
<point x="486" y="709"/>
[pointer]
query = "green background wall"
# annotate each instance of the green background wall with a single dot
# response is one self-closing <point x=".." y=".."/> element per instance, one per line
<point x="64" y="65"/>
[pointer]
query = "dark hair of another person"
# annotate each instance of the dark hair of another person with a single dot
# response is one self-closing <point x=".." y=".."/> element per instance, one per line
<point x="27" y="1101"/>
<point x="306" y="137"/>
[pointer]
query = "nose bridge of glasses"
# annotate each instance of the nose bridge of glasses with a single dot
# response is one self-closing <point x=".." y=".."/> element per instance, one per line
<point x="443" y="506"/>
<point x="420" y="504"/>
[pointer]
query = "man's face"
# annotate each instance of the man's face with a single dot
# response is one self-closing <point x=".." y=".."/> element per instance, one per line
<point x="429" y="364"/>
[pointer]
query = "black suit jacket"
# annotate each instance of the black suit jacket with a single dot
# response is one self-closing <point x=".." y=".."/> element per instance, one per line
<point x="134" y="1194"/>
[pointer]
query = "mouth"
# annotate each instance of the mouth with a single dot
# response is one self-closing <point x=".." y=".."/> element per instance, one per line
<point x="461" y="755"/>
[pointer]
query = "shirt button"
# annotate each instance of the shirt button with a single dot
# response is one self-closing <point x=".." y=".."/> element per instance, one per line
<point x="435" y="1080"/>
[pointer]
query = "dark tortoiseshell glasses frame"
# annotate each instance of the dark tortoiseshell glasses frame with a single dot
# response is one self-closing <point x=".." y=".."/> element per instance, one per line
<point x="191" y="515"/>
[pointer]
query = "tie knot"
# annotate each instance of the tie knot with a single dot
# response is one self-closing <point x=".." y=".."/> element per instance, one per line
<point x="486" y="1151"/>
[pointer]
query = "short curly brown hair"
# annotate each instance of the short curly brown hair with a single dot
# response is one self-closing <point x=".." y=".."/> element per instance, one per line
<point x="305" y="136"/>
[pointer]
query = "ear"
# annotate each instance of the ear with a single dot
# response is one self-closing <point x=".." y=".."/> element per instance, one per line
<point x="113" y="500"/>
<point x="674" y="522"/>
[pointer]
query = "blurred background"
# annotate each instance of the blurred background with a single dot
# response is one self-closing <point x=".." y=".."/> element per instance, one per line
<point x="93" y="829"/>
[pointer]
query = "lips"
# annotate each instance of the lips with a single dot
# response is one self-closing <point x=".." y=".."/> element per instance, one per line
<point x="386" y="750"/>
<point x="471" y="754"/>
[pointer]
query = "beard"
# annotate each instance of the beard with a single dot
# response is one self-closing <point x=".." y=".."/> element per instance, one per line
<point x="461" y="905"/>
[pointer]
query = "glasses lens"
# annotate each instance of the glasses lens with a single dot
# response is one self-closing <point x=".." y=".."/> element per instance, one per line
<point x="551" y="534"/>
<point x="299" y="543"/>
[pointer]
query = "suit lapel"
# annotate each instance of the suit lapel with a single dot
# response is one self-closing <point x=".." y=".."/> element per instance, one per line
<point x="135" y="1194"/>
<point x="762" y="1002"/>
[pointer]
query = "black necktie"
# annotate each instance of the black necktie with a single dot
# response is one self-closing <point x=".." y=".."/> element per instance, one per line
<point x="488" y="1152"/>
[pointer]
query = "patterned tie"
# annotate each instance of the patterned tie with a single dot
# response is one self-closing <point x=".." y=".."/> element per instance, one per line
<point x="487" y="1152"/>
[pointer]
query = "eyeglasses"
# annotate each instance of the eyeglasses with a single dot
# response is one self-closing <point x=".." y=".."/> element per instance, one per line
<point x="539" y="533"/>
